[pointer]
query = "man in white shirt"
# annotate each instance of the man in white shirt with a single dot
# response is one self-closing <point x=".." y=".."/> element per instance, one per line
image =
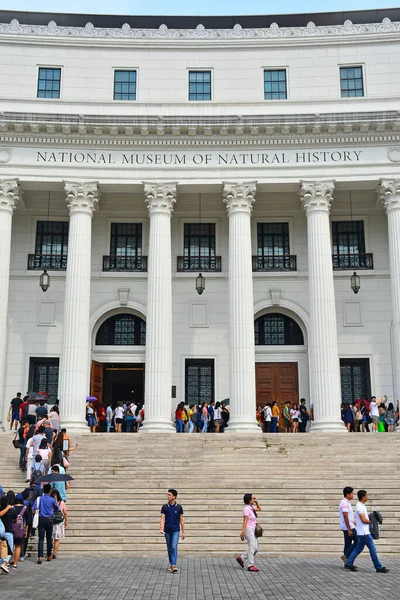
<point x="374" y="412"/>
<point x="364" y="536"/>
<point x="347" y="525"/>
<point x="267" y="413"/>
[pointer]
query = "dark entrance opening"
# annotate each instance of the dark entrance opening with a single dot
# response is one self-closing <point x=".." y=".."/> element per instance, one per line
<point x="123" y="382"/>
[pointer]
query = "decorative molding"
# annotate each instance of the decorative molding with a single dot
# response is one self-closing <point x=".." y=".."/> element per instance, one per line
<point x="82" y="197"/>
<point x="239" y="196"/>
<point x="160" y="197"/>
<point x="389" y="194"/>
<point x="123" y="294"/>
<point x="5" y="155"/>
<point x="393" y="154"/>
<point x="275" y="297"/>
<point x="126" y="32"/>
<point x="10" y="194"/>
<point x="316" y="195"/>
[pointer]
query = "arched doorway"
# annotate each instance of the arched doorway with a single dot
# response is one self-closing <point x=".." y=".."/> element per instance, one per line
<point x="118" y="369"/>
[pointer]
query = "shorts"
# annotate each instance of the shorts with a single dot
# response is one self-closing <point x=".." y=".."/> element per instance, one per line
<point x="118" y="420"/>
<point x="375" y="419"/>
<point x="390" y="421"/>
<point x="295" y="420"/>
<point x="15" y="415"/>
<point x="286" y="422"/>
<point x="19" y="541"/>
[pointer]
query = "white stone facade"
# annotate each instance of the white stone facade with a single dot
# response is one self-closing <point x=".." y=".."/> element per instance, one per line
<point x="245" y="160"/>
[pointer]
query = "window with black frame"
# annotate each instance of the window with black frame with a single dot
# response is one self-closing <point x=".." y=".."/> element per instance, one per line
<point x="43" y="376"/>
<point x="51" y="246"/>
<point x="122" y="330"/>
<point x="355" y="379"/>
<point x="348" y="243"/>
<point x="125" y="248"/>
<point x="273" y="248"/>
<point x="199" y="381"/>
<point x="199" y="248"/>
<point x="275" y="329"/>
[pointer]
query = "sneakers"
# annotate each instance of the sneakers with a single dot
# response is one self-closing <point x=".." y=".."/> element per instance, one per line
<point x="253" y="569"/>
<point x="241" y="563"/>
<point x="383" y="570"/>
<point x="15" y="566"/>
<point x="4" y="567"/>
<point x="174" y="569"/>
<point x="350" y="567"/>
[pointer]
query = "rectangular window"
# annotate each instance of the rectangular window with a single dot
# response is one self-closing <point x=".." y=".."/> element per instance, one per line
<point x="273" y="239"/>
<point x="199" y="85"/>
<point x="275" y="87"/>
<point x="355" y="379"/>
<point x="351" y="82"/>
<point x="43" y="376"/>
<point x="199" y="381"/>
<point x="49" y="83"/>
<point x="348" y="237"/>
<point x="199" y="239"/>
<point x="125" y="85"/>
<point x="52" y="238"/>
<point x="126" y="239"/>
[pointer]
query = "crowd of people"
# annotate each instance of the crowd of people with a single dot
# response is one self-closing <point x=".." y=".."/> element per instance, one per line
<point x="126" y="417"/>
<point x="210" y="417"/>
<point x="370" y="416"/>
<point x="40" y="508"/>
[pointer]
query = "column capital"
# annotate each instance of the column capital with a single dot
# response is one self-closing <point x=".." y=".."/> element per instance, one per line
<point x="316" y="196"/>
<point x="82" y="196"/>
<point x="389" y="193"/>
<point x="10" y="193"/>
<point x="160" y="196"/>
<point x="239" y="196"/>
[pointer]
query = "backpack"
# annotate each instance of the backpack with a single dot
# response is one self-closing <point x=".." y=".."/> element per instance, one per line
<point x="18" y="526"/>
<point x="35" y="474"/>
<point x="194" y="417"/>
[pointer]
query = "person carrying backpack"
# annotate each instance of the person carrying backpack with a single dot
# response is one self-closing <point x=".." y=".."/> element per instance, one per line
<point x="38" y="469"/>
<point x="20" y="528"/>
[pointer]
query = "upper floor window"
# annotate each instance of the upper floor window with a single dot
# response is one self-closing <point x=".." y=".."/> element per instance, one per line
<point x="199" y="248"/>
<point x="51" y="246"/>
<point x="351" y="82"/>
<point x="126" y="239"/>
<point x="275" y="87"/>
<point x="273" y="239"/>
<point x="348" y="237"/>
<point x="199" y="85"/>
<point x="49" y="83"/>
<point x="125" y="85"/>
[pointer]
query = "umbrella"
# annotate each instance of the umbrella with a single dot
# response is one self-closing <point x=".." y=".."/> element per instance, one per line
<point x="54" y="477"/>
<point x="91" y="398"/>
<point x="358" y="403"/>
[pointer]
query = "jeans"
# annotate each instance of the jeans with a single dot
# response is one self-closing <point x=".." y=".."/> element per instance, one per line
<point x="204" y="429"/>
<point x="350" y="542"/>
<point x="252" y="546"/>
<point x="22" y="450"/>
<point x="129" y="425"/>
<point x="267" y="426"/>
<point x="172" y="540"/>
<point x="365" y="540"/>
<point x="45" y="527"/>
<point x="9" y="539"/>
<point x="179" y="425"/>
<point x="108" y="426"/>
<point x="274" y="424"/>
<point x="191" y="426"/>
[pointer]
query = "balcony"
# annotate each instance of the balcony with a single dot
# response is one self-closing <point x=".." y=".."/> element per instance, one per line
<point x="199" y="263"/>
<point x="287" y="262"/>
<point x="350" y="262"/>
<point x="128" y="264"/>
<point x="50" y="262"/>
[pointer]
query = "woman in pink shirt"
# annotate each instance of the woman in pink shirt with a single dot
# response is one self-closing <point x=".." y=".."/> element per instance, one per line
<point x="248" y="533"/>
<point x="204" y="416"/>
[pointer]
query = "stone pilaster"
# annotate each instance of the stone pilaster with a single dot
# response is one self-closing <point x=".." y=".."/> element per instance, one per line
<point x="160" y="199"/>
<point x="9" y="195"/>
<point x="325" y="387"/>
<point x="239" y="198"/>
<point x="82" y="199"/>
<point x="389" y="193"/>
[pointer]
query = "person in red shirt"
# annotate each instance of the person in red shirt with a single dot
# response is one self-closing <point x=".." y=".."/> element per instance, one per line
<point x="101" y="414"/>
<point x="25" y="403"/>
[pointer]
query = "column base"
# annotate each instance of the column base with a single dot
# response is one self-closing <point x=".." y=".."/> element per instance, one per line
<point x="75" y="425"/>
<point x="157" y="426"/>
<point x="240" y="426"/>
<point x="327" y="426"/>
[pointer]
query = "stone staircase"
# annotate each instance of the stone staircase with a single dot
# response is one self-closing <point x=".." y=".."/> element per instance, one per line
<point x="121" y="483"/>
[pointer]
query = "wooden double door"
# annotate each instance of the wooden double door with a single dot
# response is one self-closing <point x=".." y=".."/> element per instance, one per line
<point x="277" y="381"/>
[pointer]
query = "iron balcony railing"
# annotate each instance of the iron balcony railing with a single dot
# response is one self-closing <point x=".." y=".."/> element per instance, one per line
<point x="54" y="262"/>
<point x="199" y="263"/>
<point x="344" y="262"/>
<point x="287" y="262"/>
<point x="129" y="264"/>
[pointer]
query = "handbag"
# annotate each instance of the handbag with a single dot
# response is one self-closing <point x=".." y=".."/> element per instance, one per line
<point x="15" y="442"/>
<point x="35" y="521"/>
<point x="258" y="531"/>
<point x="58" y="517"/>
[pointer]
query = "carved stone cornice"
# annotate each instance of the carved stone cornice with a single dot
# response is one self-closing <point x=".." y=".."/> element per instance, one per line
<point x="239" y="196"/>
<point x="316" y="196"/>
<point x="160" y="197"/>
<point x="274" y="32"/>
<point x="389" y="194"/>
<point x="82" y="197"/>
<point x="10" y="193"/>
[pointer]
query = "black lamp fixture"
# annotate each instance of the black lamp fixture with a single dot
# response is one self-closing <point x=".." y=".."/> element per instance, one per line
<point x="44" y="279"/>
<point x="200" y="280"/>
<point x="354" y="279"/>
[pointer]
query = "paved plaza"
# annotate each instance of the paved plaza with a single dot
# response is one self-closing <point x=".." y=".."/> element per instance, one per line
<point x="198" y="578"/>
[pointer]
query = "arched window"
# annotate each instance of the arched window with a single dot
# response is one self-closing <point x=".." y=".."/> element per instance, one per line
<point x="122" y="330"/>
<point x="275" y="329"/>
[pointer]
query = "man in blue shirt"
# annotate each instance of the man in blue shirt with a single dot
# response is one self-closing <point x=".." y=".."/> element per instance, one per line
<point x="171" y="522"/>
<point x="59" y="485"/>
<point x="47" y="506"/>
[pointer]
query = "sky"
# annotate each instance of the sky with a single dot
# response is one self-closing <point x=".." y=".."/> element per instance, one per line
<point x="195" y="7"/>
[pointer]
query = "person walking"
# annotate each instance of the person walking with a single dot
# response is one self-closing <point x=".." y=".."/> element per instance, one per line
<point x="46" y="506"/>
<point x="59" y="528"/>
<point x="204" y="416"/>
<point x="172" y="522"/>
<point x="20" y="529"/>
<point x="178" y="417"/>
<point x="13" y="411"/>
<point x="364" y="536"/>
<point x="248" y="532"/>
<point x="347" y="525"/>
<point x="347" y="416"/>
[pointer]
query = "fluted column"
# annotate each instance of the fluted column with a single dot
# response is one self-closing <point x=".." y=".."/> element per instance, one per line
<point x="9" y="196"/>
<point x="325" y="387"/>
<point x="160" y="199"/>
<point x="82" y="200"/>
<point x="239" y="198"/>
<point x="389" y="192"/>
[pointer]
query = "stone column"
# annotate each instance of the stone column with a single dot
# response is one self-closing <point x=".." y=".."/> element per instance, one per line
<point x="82" y="199"/>
<point x="9" y="196"/>
<point x="325" y="387"/>
<point x="239" y="198"/>
<point x="389" y="192"/>
<point x="160" y="199"/>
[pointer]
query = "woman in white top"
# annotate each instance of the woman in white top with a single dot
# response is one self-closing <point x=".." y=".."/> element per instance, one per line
<point x="30" y="459"/>
<point x="45" y="453"/>
<point x="217" y="417"/>
<point x="118" y="417"/>
<point x="295" y="415"/>
<point x="54" y="418"/>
